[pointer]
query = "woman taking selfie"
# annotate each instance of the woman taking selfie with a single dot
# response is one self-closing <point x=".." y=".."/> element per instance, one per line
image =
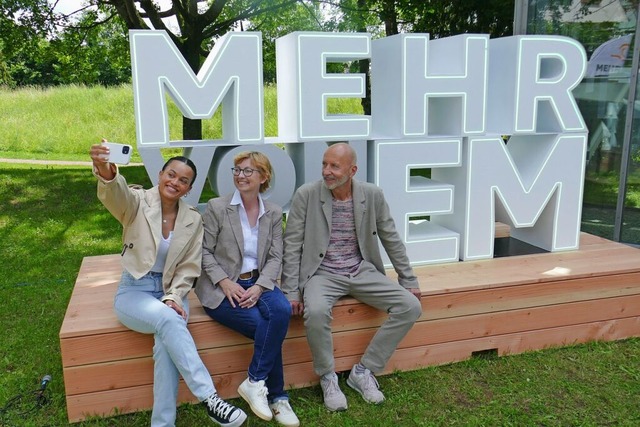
<point x="161" y="254"/>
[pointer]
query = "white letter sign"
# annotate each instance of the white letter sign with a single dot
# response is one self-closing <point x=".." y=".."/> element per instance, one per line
<point x="304" y="86"/>
<point x="464" y="131"/>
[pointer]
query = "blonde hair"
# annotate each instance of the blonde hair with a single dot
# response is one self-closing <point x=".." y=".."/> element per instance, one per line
<point x="261" y="162"/>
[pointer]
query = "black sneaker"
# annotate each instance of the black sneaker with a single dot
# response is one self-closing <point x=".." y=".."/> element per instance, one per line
<point x="224" y="413"/>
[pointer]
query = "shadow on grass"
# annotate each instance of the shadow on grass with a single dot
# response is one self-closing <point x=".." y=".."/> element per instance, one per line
<point x="54" y="215"/>
<point x="50" y="218"/>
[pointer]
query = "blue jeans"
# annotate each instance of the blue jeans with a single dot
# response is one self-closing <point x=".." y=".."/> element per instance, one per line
<point x="137" y="305"/>
<point x="266" y="323"/>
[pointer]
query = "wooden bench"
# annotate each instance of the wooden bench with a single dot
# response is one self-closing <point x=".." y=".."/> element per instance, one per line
<point x="509" y="305"/>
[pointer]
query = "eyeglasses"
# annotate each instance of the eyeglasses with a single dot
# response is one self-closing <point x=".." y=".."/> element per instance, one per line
<point x="246" y="171"/>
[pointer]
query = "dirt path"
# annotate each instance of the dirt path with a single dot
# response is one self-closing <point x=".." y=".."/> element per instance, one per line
<point x="45" y="162"/>
<point x="54" y="162"/>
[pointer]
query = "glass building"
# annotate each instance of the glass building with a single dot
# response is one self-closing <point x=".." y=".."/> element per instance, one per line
<point x="607" y="98"/>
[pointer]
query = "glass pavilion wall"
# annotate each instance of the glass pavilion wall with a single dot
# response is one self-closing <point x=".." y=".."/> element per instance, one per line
<point x="607" y="99"/>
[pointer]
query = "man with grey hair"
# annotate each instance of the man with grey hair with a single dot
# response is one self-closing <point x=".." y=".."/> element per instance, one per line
<point x="331" y="250"/>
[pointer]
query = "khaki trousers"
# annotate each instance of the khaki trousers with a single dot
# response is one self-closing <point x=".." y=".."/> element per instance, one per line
<point x="370" y="287"/>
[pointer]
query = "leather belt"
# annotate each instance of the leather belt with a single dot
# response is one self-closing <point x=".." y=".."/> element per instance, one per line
<point x="249" y="275"/>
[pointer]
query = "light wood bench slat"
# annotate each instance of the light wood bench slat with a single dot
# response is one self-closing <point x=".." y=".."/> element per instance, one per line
<point x="100" y="347"/>
<point x="90" y="307"/>
<point x="353" y="342"/>
<point x="139" y="397"/>
<point x="596" y="260"/>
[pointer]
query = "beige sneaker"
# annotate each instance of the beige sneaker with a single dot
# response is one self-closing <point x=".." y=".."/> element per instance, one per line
<point x="365" y="384"/>
<point x="283" y="413"/>
<point x="334" y="398"/>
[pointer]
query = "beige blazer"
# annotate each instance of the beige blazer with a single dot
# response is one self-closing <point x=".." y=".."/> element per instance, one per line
<point x="140" y="213"/>
<point x="223" y="248"/>
<point x="308" y="230"/>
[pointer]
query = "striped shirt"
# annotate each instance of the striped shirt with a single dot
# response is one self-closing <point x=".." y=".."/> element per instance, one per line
<point x="343" y="254"/>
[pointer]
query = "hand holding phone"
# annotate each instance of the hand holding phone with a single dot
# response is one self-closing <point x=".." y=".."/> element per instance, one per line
<point x="118" y="153"/>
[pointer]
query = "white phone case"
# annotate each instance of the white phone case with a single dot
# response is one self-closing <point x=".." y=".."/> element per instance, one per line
<point x="119" y="153"/>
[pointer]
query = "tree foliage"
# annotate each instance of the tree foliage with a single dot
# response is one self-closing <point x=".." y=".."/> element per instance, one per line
<point x="93" y="54"/>
<point x="21" y="28"/>
<point x="300" y="16"/>
<point x="197" y="22"/>
<point x="493" y="17"/>
<point x="42" y="47"/>
<point x="439" y="18"/>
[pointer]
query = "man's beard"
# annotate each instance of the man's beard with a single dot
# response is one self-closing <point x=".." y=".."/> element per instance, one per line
<point x="336" y="183"/>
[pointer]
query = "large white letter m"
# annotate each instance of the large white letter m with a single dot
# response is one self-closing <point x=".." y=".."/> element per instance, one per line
<point x="533" y="183"/>
<point x="231" y="74"/>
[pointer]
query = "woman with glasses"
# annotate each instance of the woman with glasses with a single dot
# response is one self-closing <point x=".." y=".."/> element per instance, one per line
<point x="241" y="261"/>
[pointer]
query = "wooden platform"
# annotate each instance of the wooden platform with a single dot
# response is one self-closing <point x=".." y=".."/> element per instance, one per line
<point x="510" y="305"/>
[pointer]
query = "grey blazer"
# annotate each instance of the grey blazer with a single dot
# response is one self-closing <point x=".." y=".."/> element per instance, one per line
<point x="223" y="247"/>
<point x="306" y="237"/>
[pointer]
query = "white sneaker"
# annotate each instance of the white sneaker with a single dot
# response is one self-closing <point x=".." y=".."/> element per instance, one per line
<point x="255" y="394"/>
<point x="334" y="398"/>
<point x="365" y="384"/>
<point x="284" y="414"/>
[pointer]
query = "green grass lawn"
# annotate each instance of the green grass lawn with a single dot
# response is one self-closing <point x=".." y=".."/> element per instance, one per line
<point x="61" y="123"/>
<point x="50" y="219"/>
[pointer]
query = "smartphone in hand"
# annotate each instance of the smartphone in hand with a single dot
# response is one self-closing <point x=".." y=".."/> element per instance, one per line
<point x="118" y="153"/>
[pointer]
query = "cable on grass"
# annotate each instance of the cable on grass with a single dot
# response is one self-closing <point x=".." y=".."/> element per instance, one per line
<point x="24" y="404"/>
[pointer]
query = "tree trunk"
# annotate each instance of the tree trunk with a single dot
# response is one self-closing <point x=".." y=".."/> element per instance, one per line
<point x="192" y="129"/>
<point x="363" y="64"/>
<point x="390" y="17"/>
<point x="366" y="101"/>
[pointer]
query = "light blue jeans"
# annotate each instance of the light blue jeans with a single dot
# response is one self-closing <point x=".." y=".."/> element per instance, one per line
<point x="137" y="305"/>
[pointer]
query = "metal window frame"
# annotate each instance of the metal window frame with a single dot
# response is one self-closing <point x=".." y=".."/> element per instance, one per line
<point x="625" y="155"/>
<point x="520" y="16"/>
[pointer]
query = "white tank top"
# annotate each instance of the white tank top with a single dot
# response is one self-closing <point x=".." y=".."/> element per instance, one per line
<point x="163" y="250"/>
